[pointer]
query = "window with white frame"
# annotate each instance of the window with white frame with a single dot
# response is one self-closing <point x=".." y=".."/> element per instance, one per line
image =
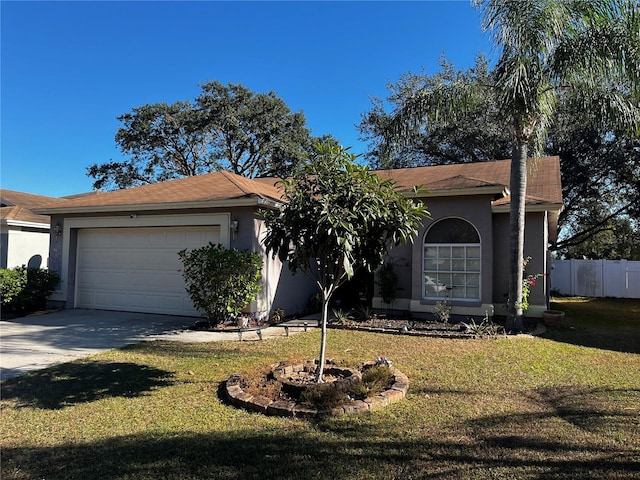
<point x="451" y="261"/>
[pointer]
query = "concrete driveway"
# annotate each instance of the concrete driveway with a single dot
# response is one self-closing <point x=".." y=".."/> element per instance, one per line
<point x="38" y="341"/>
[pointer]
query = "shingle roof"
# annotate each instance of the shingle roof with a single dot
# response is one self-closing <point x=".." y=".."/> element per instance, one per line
<point x="543" y="186"/>
<point x="543" y="182"/>
<point x="17" y="206"/>
<point x="210" y="187"/>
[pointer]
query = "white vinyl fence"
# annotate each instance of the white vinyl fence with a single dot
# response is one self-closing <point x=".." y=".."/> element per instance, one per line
<point x="596" y="278"/>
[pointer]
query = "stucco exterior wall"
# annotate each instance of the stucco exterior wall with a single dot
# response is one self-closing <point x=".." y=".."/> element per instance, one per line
<point x="493" y="229"/>
<point x="475" y="210"/>
<point x="281" y="288"/>
<point x="535" y="246"/>
<point x="24" y="246"/>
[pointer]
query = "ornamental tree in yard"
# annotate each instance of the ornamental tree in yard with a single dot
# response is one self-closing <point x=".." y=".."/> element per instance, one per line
<point x="338" y="216"/>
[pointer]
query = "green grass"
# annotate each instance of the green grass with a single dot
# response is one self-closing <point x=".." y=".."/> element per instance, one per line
<point x="608" y="323"/>
<point x="566" y="405"/>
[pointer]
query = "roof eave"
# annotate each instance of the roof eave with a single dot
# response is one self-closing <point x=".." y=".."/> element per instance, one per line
<point x="23" y="223"/>
<point x="454" y="192"/>
<point x="238" y="202"/>
<point x="538" y="207"/>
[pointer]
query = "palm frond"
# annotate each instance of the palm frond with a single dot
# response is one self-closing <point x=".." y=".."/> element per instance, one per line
<point x="439" y="104"/>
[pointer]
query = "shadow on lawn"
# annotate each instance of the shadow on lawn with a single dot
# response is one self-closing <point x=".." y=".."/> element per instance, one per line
<point x="599" y="411"/>
<point x="277" y="454"/>
<point x="614" y="339"/>
<point x="603" y="323"/>
<point x="79" y="382"/>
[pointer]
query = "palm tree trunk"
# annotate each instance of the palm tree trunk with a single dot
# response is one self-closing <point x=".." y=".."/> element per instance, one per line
<point x="518" y="187"/>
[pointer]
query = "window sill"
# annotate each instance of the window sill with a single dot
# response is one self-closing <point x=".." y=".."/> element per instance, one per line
<point x="453" y="302"/>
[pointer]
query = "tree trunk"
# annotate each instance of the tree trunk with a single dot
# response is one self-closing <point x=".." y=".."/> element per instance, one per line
<point x="518" y="187"/>
<point x="323" y="336"/>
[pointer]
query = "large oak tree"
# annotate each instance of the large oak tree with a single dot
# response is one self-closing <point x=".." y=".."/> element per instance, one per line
<point x="227" y="127"/>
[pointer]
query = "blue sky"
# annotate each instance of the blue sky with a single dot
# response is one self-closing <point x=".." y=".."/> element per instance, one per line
<point x="70" y="68"/>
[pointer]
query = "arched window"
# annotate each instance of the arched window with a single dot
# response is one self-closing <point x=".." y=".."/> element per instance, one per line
<point x="451" y="261"/>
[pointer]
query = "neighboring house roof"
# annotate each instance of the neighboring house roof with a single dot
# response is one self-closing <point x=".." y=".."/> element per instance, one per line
<point x="228" y="189"/>
<point x="17" y="208"/>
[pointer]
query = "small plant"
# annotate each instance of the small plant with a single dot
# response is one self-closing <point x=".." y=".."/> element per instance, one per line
<point x="486" y="328"/>
<point x="528" y="281"/>
<point x="358" y="391"/>
<point x="443" y="311"/>
<point x="374" y="380"/>
<point x="324" y="396"/>
<point x="377" y="378"/>
<point x="341" y="316"/>
<point x="276" y="316"/>
<point x="365" y="313"/>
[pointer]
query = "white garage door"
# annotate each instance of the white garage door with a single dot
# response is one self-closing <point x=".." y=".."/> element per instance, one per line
<point x="136" y="269"/>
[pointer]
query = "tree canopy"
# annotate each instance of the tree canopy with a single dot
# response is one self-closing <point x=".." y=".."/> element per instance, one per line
<point x="227" y="127"/>
<point x="338" y="216"/>
<point x="600" y="165"/>
<point x="475" y="133"/>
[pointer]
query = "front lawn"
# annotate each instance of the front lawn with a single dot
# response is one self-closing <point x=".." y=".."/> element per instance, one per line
<point x="562" y="406"/>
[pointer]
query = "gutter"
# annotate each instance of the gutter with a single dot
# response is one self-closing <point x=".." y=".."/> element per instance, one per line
<point x="538" y="207"/>
<point x="454" y="192"/>
<point x="241" y="202"/>
<point x="21" y="223"/>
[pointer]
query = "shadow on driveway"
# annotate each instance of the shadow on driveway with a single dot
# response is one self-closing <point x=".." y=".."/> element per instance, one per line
<point x="38" y="341"/>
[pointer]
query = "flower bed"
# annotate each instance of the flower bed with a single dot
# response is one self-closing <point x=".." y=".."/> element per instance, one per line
<point x="285" y="398"/>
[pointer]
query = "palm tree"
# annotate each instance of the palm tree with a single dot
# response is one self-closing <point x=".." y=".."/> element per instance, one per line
<point x="546" y="48"/>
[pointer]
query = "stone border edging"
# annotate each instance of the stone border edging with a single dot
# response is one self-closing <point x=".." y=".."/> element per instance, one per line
<point x="284" y="408"/>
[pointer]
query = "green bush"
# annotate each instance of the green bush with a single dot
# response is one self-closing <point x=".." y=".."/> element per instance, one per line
<point x="377" y="378"/>
<point x="324" y="396"/>
<point x="25" y="290"/>
<point x="11" y="284"/>
<point x="221" y="282"/>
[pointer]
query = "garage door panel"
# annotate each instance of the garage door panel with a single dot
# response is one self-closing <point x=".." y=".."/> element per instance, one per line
<point x="153" y="259"/>
<point x="139" y="281"/>
<point x="137" y="269"/>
